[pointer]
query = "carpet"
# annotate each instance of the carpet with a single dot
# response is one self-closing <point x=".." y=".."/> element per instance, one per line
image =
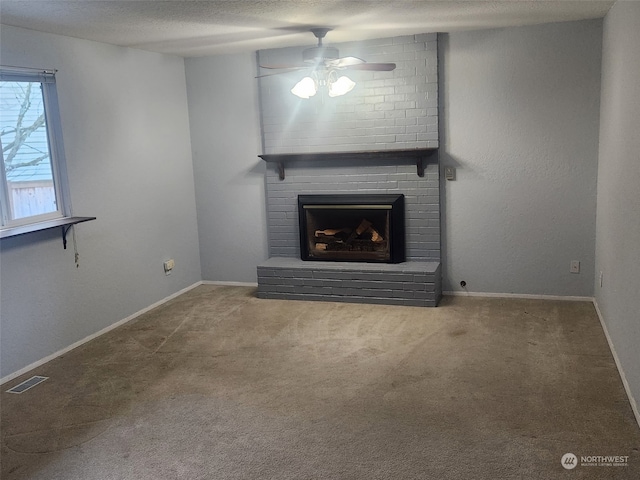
<point x="218" y="384"/>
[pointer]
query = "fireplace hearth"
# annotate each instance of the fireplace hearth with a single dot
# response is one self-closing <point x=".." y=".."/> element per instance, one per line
<point x="352" y="228"/>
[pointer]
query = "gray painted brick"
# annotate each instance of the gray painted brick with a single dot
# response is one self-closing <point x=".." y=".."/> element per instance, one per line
<point x="357" y="286"/>
<point x="395" y="114"/>
<point x="405" y="117"/>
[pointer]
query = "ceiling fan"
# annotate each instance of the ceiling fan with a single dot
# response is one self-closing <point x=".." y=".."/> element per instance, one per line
<point x="327" y="57"/>
<point x="324" y="64"/>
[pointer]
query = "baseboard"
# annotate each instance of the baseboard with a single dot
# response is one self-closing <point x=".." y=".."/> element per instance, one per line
<point x="229" y="284"/>
<point x="519" y="295"/>
<point x="48" y="358"/>
<point x="632" y="401"/>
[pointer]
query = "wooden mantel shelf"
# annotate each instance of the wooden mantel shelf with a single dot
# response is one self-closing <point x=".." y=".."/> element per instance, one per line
<point x="417" y="155"/>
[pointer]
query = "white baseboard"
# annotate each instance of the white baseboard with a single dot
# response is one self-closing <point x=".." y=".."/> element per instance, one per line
<point x="48" y="358"/>
<point x="632" y="401"/>
<point x="229" y="284"/>
<point x="519" y="295"/>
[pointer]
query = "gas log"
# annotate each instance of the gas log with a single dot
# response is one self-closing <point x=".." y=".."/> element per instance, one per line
<point x="345" y="239"/>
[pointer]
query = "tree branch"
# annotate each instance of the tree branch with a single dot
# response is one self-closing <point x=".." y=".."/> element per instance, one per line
<point x="10" y="168"/>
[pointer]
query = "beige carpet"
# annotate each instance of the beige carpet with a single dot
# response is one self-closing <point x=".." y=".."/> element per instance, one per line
<point x="218" y="384"/>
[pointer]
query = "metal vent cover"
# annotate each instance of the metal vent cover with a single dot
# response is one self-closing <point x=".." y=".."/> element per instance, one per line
<point x="27" y="384"/>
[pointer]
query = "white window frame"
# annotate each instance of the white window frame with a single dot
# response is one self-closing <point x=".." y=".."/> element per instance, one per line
<point x="47" y="81"/>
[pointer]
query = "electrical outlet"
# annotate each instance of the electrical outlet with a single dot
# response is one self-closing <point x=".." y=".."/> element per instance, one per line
<point x="575" y="266"/>
<point x="168" y="266"/>
<point x="450" y="173"/>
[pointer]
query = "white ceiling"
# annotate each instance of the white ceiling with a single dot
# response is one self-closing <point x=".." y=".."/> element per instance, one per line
<point x="197" y="28"/>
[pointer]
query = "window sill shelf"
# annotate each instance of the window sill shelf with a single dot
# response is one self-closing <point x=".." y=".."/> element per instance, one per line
<point x="65" y="223"/>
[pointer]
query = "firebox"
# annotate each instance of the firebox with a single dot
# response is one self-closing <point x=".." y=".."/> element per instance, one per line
<point x="352" y="228"/>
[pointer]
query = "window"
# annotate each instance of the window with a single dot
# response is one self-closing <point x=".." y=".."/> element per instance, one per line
<point x="33" y="184"/>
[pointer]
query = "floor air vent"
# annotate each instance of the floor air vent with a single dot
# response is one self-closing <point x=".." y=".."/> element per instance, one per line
<point x="27" y="384"/>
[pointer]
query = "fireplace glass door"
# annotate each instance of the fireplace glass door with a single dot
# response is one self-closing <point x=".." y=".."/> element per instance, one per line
<point x="359" y="228"/>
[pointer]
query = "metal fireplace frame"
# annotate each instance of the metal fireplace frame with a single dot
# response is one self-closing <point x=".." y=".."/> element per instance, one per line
<point x="394" y="202"/>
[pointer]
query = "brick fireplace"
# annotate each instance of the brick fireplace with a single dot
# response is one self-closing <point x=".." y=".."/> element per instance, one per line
<point x="413" y="282"/>
<point x="380" y="139"/>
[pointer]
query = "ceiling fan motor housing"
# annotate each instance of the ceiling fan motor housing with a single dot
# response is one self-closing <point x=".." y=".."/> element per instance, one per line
<point x="319" y="54"/>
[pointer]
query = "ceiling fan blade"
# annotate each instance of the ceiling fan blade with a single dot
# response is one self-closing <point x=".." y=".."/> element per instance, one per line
<point x="324" y="59"/>
<point x="283" y="67"/>
<point x="378" y="67"/>
<point x="344" y="62"/>
<point x="280" y="73"/>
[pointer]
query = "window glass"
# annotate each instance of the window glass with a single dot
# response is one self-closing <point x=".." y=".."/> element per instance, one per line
<point x="32" y="156"/>
<point x="25" y="148"/>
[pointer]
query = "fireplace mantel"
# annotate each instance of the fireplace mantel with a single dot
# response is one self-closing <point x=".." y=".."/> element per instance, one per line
<point x="418" y="155"/>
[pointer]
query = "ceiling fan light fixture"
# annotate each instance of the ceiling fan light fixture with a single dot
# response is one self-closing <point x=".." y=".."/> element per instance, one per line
<point x="305" y="88"/>
<point x="341" y="86"/>
<point x="324" y="63"/>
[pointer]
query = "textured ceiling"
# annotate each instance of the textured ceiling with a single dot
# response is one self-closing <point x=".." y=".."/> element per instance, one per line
<point x="197" y="28"/>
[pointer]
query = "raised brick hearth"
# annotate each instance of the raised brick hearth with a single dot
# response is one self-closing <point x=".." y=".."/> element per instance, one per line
<point x="408" y="283"/>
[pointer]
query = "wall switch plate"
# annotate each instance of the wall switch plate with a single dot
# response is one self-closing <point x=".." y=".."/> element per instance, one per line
<point x="601" y="278"/>
<point x="168" y="266"/>
<point x="575" y="266"/>
<point x="450" y="173"/>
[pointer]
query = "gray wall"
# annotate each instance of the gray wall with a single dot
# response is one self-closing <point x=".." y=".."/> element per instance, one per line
<point x="126" y="134"/>
<point x="519" y="120"/>
<point x="229" y="176"/>
<point x="618" y="215"/>
<point x="385" y="110"/>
